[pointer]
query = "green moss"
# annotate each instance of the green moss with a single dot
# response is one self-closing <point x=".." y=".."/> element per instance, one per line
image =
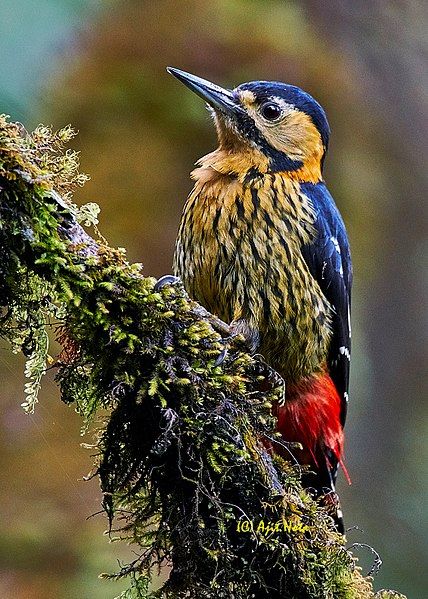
<point x="183" y="460"/>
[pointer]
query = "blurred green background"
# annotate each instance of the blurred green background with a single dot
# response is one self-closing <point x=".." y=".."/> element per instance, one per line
<point x="100" y="65"/>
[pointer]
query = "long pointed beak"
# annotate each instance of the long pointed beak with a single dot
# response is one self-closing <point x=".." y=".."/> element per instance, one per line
<point x="216" y="96"/>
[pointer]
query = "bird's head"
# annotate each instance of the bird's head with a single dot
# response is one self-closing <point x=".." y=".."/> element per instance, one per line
<point x="279" y="126"/>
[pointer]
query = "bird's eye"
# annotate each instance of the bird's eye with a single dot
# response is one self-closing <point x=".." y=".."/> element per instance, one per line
<point x="270" y="111"/>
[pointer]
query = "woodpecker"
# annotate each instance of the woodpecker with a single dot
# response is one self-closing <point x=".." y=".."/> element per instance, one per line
<point x="262" y="245"/>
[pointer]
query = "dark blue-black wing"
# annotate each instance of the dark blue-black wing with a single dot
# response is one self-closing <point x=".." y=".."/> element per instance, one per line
<point x="329" y="261"/>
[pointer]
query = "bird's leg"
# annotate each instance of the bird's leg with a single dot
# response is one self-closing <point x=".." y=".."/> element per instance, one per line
<point x="243" y="336"/>
<point x="242" y="328"/>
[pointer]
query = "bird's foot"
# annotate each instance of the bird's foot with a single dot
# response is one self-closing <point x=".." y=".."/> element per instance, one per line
<point x="242" y="336"/>
<point x="166" y="280"/>
<point x="250" y="335"/>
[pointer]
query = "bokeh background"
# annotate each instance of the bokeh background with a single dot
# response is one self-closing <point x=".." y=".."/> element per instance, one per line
<point x="100" y="65"/>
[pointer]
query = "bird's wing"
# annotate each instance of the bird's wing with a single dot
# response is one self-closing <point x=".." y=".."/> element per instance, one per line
<point x="329" y="261"/>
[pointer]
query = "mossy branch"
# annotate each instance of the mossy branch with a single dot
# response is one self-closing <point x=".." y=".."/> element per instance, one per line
<point x="183" y="450"/>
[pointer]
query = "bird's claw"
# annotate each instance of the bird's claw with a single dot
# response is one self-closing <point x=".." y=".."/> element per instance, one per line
<point x="251" y="336"/>
<point x="166" y="280"/>
<point x="221" y="357"/>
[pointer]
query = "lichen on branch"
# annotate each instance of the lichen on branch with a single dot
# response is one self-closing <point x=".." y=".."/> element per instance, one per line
<point x="184" y="451"/>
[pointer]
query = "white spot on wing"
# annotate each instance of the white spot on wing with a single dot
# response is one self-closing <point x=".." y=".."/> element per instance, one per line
<point x="333" y="239"/>
<point x="335" y="243"/>
<point x="324" y="266"/>
<point x="345" y="351"/>
<point x="349" y="321"/>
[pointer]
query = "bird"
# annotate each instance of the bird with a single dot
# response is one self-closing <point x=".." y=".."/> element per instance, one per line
<point x="262" y="245"/>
